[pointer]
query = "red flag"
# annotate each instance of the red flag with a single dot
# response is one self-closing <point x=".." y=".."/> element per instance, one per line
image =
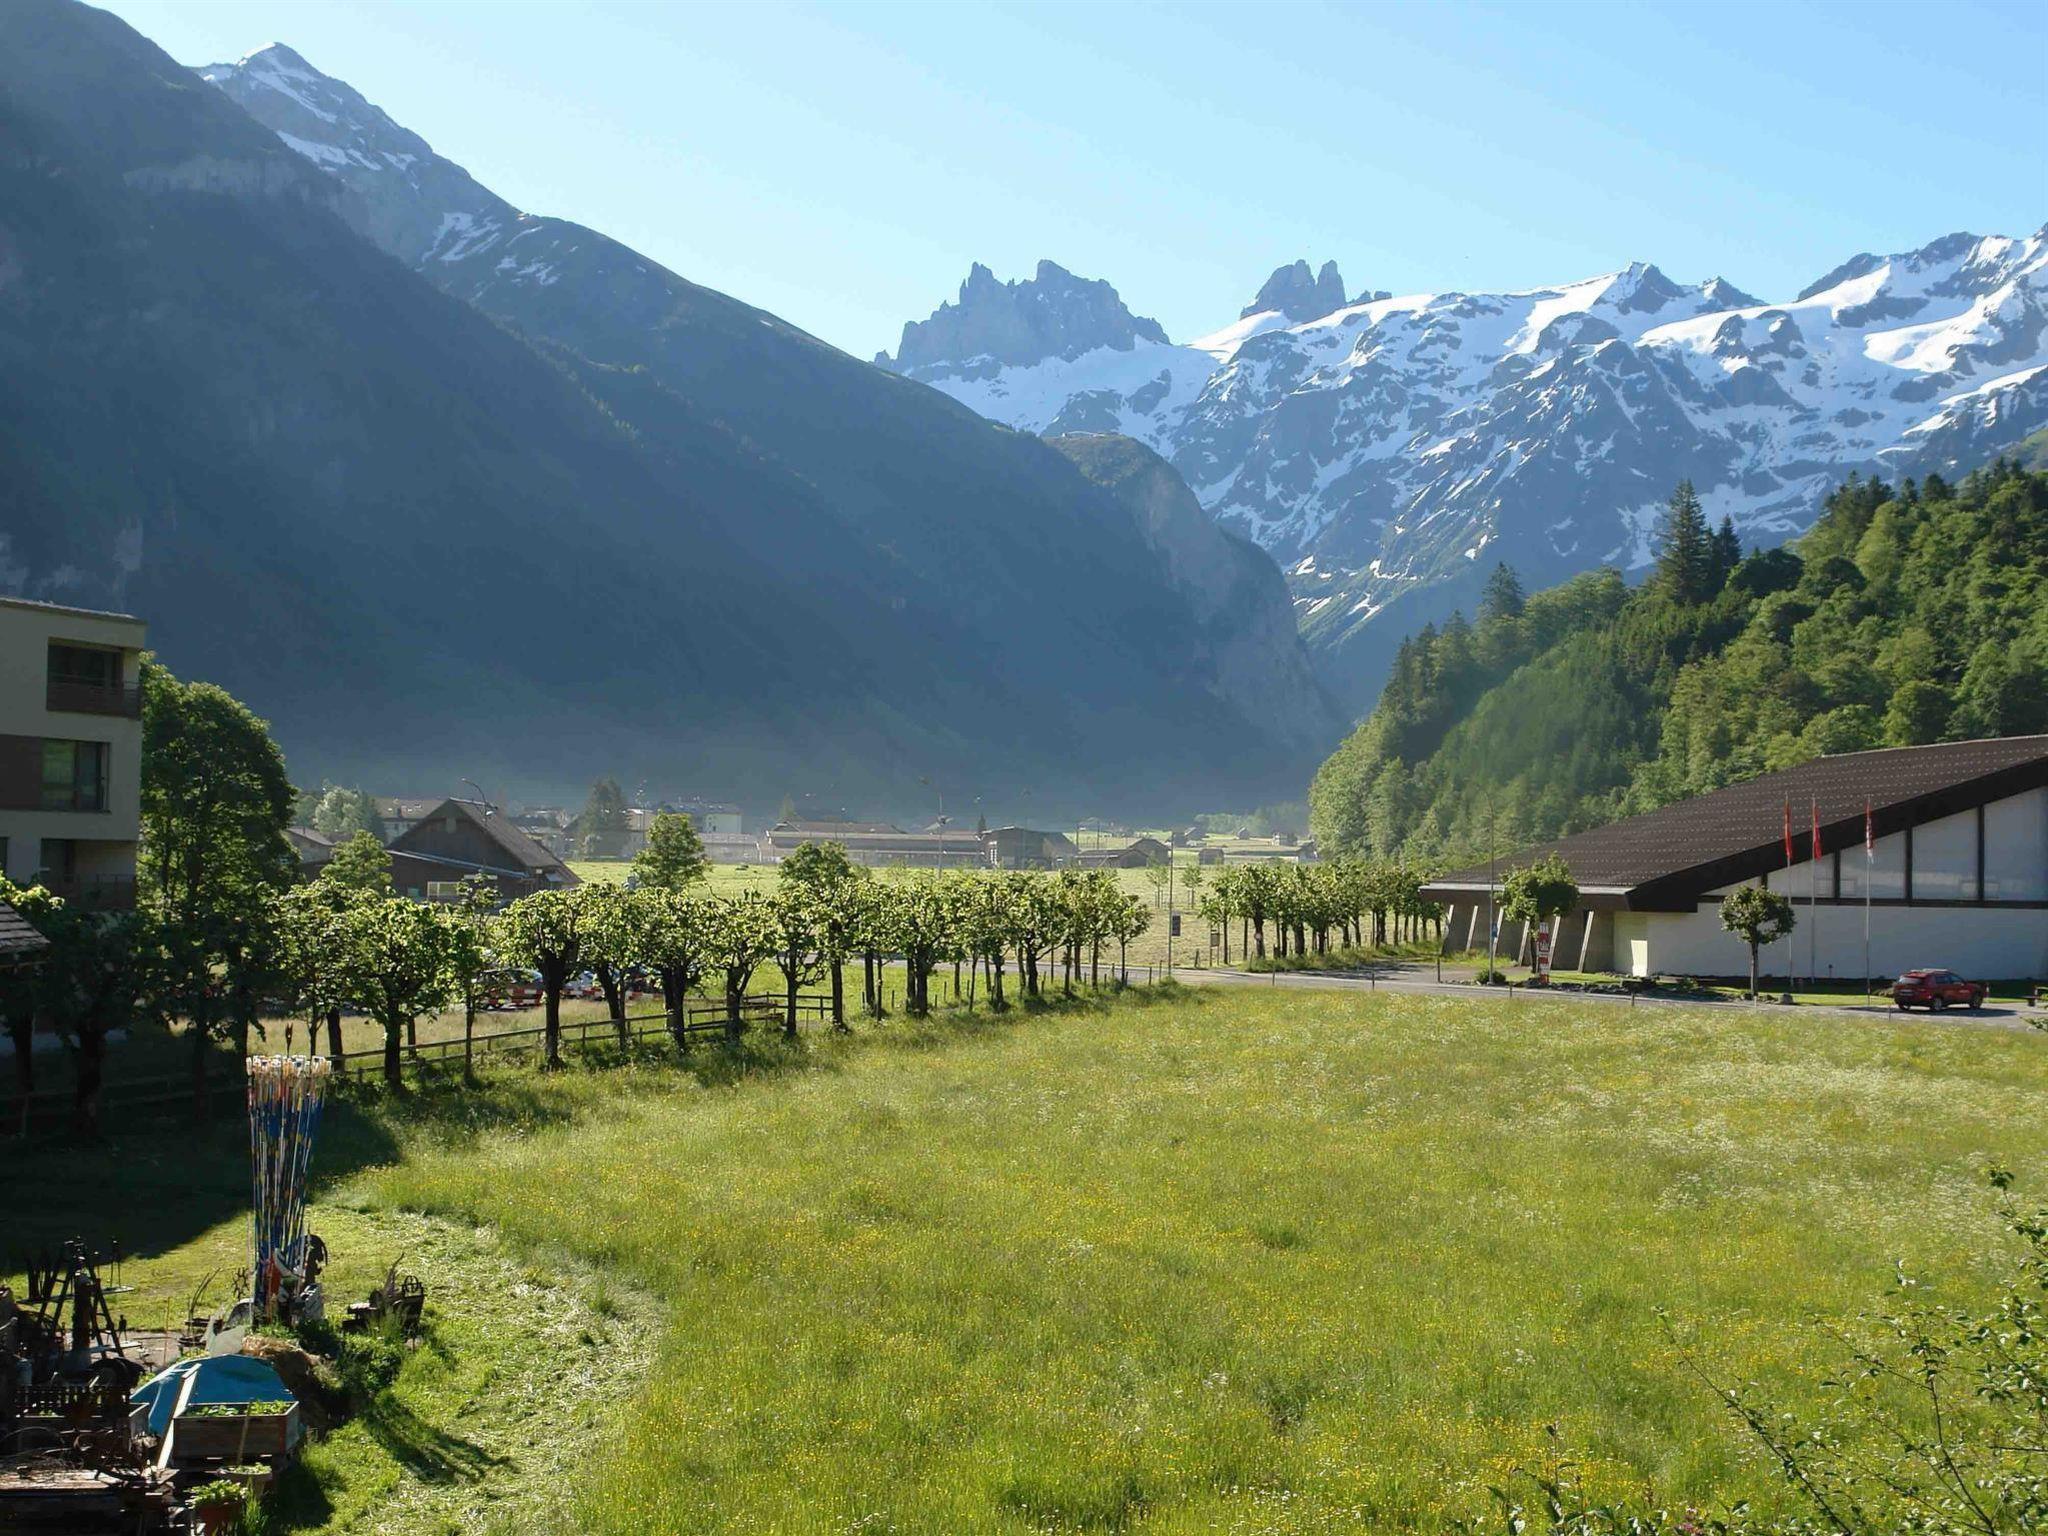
<point x="1788" y="833"/>
<point x="1815" y="805"/>
<point x="1869" y="833"/>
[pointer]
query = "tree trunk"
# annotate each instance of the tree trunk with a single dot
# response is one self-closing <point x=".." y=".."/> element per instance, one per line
<point x="614" y="1000"/>
<point x="995" y="982"/>
<point x="334" y="1037"/>
<point x="393" y="1077"/>
<point x="789" y="1003"/>
<point x="90" y="1067"/>
<point x="1752" y="967"/>
<point x="22" y="1033"/>
<point x="201" y="1027"/>
<point x="732" y="1008"/>
<point x="412" y="1038"/>
<point x="839" y="993"/>
<point x="469" y="1040"/>
<point x="551" y="1035"/>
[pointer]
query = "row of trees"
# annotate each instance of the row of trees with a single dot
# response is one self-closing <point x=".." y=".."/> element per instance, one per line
<point x="1314" y="907"/>
<point x="823" y="915"/>
<point x="345" y="942"/>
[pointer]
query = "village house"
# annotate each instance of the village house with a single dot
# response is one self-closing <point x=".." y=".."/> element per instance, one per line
<point x="459" y="838"/>
<point x="314" y="849"/>
<point x="399" y="814"/>
<point x="1028" y="848"/>
<point x="1142" y="854"/>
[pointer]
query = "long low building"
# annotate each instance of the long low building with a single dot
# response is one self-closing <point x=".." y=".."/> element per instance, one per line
<point x="1959" y="877"/>
<point x="877" y="844"/>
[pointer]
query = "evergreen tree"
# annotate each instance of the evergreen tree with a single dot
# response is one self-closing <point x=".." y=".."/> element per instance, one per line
<point x="601" y="828"/>
<point x="1503" y="597"/>
<point x="1685" y="556"/>
<point x="1727" y="551"/>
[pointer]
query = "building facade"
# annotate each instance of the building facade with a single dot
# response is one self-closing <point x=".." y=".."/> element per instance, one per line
<point x="878" y="845"/>
<point x="1028" y="848"/>
<point x="1956" y="876"/>
<point x="71" y="750"/>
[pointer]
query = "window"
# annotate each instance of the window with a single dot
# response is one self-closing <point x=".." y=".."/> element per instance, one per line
<point x="85" y="664"/>
<point x="74" y="776"/>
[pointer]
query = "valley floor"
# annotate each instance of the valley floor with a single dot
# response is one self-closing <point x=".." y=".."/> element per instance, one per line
<point x="1278" y="1260"/>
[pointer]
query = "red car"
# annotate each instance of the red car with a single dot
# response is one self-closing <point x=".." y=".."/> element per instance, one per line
<point x="1935" y="990"/>
<point x="510" y="988"/>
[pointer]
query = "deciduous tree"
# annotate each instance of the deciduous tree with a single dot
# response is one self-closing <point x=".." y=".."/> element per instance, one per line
<point x="1760" y="916"/>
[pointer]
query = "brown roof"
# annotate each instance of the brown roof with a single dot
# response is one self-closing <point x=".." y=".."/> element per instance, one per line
<point x="1663" y="859"/>
<point x="18" y="941"/>
<point x="521" y="849"/>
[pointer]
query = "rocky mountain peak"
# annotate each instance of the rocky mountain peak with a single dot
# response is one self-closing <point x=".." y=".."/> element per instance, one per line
<point x="1053" y="313"/>
<point x="1722" y="294"/>
<point x="1293" y="292"/>
<point x="397" y="191"/>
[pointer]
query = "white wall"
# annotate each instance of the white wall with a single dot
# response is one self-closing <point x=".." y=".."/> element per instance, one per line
<point x="1978" y="941"/>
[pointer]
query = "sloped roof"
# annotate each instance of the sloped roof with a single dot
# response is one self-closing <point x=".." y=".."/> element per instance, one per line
<point x="18" y="941"/>
<point x="1663" y="858"/>
<point x="522" y="851"/>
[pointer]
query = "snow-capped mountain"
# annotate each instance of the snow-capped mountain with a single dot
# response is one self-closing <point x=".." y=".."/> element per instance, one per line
<point x="1385" y="447"/>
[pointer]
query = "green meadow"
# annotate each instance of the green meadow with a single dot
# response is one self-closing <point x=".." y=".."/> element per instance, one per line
<point x="1171" y="1263"/>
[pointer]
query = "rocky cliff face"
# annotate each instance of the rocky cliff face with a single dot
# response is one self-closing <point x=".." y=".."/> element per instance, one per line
<point x="1386" y="450"/>
<point x="1290" y="291"/>
<point x="996" y="325"/>
<point x="1237" y="592"/>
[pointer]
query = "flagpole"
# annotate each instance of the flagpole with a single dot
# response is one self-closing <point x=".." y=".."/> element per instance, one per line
<point x="1786" y="996"/>
<point x="1813" y="902"/>
<point x="1869" y="868"/>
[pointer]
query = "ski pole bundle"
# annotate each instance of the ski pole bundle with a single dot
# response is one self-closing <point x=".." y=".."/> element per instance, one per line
<point x="285" y="1094"/>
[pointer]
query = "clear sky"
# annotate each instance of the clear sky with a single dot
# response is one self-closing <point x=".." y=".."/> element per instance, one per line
<point x="841" y="164"/>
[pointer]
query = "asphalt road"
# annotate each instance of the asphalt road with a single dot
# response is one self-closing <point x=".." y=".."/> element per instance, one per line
<point x="1413" y="977"/>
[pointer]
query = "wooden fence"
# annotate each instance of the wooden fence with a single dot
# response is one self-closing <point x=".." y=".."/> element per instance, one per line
<point x="53" y="1109"/>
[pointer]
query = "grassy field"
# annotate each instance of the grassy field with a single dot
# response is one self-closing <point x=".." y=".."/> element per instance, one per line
<point x="1180" y="1263"/>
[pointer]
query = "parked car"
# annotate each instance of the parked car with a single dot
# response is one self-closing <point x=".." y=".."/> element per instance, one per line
<point x="511" y="987"/>
<point x="582" y="985"/>
<point x="1935" y="990"/>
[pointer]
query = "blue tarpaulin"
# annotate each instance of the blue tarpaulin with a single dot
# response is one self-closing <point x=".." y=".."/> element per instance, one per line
<point x="223" y="1379"/>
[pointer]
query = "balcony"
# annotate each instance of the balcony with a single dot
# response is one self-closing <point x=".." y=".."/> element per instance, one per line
<point x="94" y="893"/>
<point x="83" y="696"/>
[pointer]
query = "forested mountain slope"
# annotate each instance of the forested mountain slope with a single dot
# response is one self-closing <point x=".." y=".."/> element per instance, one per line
<point x="1907" y="614"/>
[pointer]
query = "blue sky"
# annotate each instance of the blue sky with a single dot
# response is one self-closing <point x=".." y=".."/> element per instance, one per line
<point x="841" y="164"/>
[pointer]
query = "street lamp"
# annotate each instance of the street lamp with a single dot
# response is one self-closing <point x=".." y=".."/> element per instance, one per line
<point x="482" y="798"/>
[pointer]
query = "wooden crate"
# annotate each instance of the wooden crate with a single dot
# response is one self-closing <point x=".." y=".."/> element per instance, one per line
<point x="233" y="1437"/>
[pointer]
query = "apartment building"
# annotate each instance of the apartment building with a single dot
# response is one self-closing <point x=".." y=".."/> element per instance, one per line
<point x="70" y="749"/>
